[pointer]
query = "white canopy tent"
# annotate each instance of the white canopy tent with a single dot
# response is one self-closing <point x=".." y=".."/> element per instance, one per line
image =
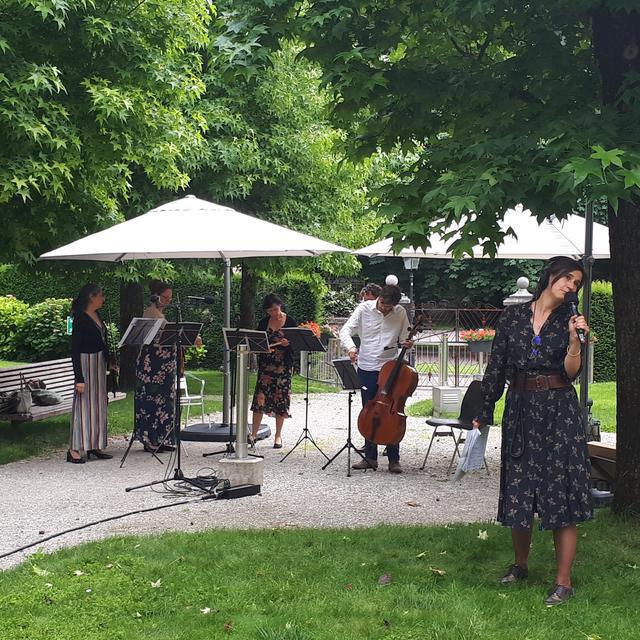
<point x="194" y="228"/>
<point x="534" y="241"/>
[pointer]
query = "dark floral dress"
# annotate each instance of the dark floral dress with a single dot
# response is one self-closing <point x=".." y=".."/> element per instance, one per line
<point x="273" y="386"/>
<point x="545" y="467"/>
<point x="155" y="394"/>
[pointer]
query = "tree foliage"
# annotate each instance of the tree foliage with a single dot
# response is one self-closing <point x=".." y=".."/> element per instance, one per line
<point x="91" y="92"/>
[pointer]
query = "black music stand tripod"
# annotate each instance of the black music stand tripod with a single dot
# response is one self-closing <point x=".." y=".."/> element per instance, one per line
<point x="350" y="382"/>
<point x="302" y="339"/>
<point x="180" y="334"/>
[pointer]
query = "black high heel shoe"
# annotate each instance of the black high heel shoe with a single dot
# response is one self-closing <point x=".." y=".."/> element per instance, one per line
<point x="98" y="454"/>
<point x="251" y="441"/>
<point x="70" y="458"/>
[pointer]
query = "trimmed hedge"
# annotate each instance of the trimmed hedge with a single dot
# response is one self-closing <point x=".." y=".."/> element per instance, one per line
<point x="602" y="323"/>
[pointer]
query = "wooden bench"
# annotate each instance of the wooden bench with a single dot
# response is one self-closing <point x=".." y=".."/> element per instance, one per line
<point x="603" y="463"/>
<point x="57" y="375"/>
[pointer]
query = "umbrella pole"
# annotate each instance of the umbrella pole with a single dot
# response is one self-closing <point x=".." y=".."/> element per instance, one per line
<point x="587" y="260"/>
<point x="226" y="355"/>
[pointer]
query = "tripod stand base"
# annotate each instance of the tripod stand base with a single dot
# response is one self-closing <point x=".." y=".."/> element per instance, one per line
<point x="217" y="432"/>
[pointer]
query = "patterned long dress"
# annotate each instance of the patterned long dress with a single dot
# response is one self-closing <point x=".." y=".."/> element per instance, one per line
<point x="545" y="467"/>
<point x="89" y="409"/>
<point x="155" y="395"/>
<point x="273" y="387"/>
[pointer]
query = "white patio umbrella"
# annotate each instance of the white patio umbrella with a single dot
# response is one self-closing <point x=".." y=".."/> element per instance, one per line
<point x="553" y="237"/>
<point x="194" y="228"/>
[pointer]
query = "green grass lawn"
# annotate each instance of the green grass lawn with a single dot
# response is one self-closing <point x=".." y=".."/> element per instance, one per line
<point x="603" y="395"/>
<point x="9" y="363"/>
<point x="23" y="440"/>
<point x="324" y="584"/>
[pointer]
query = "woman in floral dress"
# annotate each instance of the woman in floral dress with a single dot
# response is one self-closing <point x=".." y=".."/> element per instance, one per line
<point x="155" y="394"/>
<point x="273" y="386"/>
<point x="545" y="466"/>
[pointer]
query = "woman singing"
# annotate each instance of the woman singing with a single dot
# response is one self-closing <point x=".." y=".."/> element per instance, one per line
<point x="90" y="355"/>
<point x="545" y="468"/>
<point x="273" y="386"/>
<point x="156" y="382"/>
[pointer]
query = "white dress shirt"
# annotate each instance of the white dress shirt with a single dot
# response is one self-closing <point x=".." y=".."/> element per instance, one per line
<point x="379" y="334"/>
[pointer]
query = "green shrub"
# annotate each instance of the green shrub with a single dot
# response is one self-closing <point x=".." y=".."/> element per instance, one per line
<point x="303" y="295"/>
<point x="12" y="315"/>
<point x="43" y="333"/>
<point x="195" y="356"/>
<point x="602" y="323"/>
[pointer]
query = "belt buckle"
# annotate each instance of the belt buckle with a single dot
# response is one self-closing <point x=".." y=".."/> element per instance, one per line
<point x="542" y="383"/>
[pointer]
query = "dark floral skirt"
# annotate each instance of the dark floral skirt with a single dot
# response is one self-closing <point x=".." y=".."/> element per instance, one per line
<point x="273" y="388"/>
<point x="155" y="394"/>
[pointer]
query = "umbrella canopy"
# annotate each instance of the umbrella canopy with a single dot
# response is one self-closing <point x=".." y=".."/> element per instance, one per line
<point x="192" y="228"/>
<point x="552" y="237"/>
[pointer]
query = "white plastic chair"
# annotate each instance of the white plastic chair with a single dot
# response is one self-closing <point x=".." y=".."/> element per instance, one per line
<point x="189" y="399"/>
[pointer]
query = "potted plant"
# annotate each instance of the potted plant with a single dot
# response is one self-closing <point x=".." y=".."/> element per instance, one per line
<point x="480" y="340"/>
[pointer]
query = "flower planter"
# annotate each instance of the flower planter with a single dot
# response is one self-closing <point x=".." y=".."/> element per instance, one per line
<point x="480" y="346"/>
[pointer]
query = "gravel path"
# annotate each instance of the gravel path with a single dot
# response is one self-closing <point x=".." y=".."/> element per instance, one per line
<point x="42" y="496"/>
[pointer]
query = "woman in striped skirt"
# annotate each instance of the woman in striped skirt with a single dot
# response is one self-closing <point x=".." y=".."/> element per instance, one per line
<point x="90" y="355"/>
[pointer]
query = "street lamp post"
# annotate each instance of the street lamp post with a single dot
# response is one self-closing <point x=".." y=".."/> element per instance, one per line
<point x="411" y="264"/>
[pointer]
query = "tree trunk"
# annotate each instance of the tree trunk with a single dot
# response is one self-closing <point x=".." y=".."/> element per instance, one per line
<point x="616" y="46"/>
<point x="131" y="306"/>
<point x="248" y="288"/>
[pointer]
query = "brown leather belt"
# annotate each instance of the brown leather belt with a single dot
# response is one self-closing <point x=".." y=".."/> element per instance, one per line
<point x="530" y="383"/>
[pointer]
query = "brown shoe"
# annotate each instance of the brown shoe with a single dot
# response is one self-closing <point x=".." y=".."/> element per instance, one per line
<point x="394" y="467"/>
<point x="514" y="574"/>
<point x="365" y="464"/>
<point x="558" y="595"/>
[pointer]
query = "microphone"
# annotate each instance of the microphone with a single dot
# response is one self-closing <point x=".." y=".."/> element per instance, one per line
<point x="571" y="299"/>
<point x="201" y="299"/>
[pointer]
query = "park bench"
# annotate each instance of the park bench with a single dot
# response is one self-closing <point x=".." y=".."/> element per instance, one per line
<point x="57" y="375"/>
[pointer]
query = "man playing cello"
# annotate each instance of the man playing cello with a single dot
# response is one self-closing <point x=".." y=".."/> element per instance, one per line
<point x="381" y="324"/>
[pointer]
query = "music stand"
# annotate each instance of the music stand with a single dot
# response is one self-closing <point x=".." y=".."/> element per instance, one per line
<point x="180" y="334"/>
<point x="257" y="342"/>
<point x="139" y="333"/>
<point x="303" y="339"/>
<point x="350" y="382"/>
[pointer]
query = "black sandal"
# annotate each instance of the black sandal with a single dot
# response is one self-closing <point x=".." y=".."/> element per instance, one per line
<point x="100" y="455"/>
<point x="514" y="574"/>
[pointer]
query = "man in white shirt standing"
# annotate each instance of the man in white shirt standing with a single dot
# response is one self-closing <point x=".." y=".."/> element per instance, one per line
<point x="382" y="325"/>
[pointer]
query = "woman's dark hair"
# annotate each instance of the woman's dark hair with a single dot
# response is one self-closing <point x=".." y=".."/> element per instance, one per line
<point x="270" y="299"/>
<point x="81" y="301"/>
<point x="158" y="287"/>
<point x="554" y="269"/>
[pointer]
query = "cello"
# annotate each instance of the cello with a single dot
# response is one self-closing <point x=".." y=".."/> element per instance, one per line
<point x="382" y="420"/>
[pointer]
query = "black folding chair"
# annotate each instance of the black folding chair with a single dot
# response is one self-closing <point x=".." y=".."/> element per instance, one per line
<point x="455" y="427"/>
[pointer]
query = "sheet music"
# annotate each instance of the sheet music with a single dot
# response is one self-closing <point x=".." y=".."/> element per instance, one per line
<point x="473" y="454"/>
<point x="141" y="331"/>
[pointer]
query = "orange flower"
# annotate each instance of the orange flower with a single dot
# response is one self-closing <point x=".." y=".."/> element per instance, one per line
<point x="477" y="335"/>
<point x="310" y="324"/>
